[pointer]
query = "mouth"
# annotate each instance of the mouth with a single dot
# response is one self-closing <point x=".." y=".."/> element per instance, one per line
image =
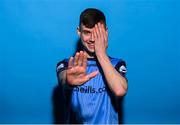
<point x="91" y="45"/>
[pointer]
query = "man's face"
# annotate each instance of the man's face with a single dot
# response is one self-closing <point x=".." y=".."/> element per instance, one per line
<point x="87" y="38"/>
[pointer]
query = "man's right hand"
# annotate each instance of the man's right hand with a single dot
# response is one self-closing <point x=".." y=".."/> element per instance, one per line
<point x="76" y="71"/>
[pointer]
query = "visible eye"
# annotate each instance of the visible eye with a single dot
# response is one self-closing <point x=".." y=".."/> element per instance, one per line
<point x="86" y="32"/>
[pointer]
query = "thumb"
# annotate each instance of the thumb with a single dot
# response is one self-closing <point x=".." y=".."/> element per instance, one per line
<point x="93" y="74"/>
<point x="87" y="78"/>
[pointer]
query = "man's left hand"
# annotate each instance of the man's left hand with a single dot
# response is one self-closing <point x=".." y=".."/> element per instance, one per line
<point x="101" y="39"/>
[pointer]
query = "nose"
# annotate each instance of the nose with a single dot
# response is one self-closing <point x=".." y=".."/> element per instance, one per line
<point x="92" y="38"/>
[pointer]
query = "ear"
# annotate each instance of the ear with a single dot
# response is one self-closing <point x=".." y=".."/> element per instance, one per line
<point x="78" y="31"/>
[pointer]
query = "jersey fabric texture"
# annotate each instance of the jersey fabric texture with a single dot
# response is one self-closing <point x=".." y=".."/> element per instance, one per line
<point x="92" y="102"/>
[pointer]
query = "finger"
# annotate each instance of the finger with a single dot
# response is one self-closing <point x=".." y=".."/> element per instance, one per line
<point x="86" y="78"/>
<point x="95" y="33"/>
<point x="95" y="38"/>
<point x="81" y="81"/>
<point x="104" y="34"/>
<point x="84" y="60"/>
<point x="97" y="28"/>
<point x="91" y="75"/>
<point x="100" y="28"/>
<point x="106" y="37"/>
<point x="103" y="31"/>
<point x="80" y="60"/>
<point x="70" y="63"/>
<point x="100" y="32"/>
<point x="76" y="59"/>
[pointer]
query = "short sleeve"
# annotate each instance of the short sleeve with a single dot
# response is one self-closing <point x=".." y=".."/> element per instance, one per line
<point x="62" y="65"/>
<point x="121" y="67"/>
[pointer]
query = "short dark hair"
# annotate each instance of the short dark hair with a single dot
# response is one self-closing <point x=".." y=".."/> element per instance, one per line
<point x="91" y="16"/>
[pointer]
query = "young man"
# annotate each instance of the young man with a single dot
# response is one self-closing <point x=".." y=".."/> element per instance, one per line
<point x="95" y="80"/>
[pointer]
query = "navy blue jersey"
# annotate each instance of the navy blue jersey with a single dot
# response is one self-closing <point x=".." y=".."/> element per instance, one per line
<point x="94" y="102"/>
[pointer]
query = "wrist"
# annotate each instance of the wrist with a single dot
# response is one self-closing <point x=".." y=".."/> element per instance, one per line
<point x="100" y="54"/>
<point x="102" y="57"/>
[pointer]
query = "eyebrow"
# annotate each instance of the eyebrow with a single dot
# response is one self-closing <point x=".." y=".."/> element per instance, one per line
<point x="86" y="31"/>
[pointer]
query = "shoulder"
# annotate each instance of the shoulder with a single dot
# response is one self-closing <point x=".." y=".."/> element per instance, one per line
<point x="61" y="65"/>
<point x="117" y="61"/>
<point x="119" y="64"/>
<point x="62" y="62"/>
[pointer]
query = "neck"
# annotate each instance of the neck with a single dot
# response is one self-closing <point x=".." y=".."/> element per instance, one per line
<point x="90" y="55"/>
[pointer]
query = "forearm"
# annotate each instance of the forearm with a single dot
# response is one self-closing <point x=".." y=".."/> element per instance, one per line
<point x="63" y="80"/>
<point x="115" y="81"/>
<point x="62" y="77"/>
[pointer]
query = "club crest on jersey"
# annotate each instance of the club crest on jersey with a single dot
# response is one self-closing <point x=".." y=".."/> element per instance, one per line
<point x="122" y="69"/>
<point x="60" y="66"/>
